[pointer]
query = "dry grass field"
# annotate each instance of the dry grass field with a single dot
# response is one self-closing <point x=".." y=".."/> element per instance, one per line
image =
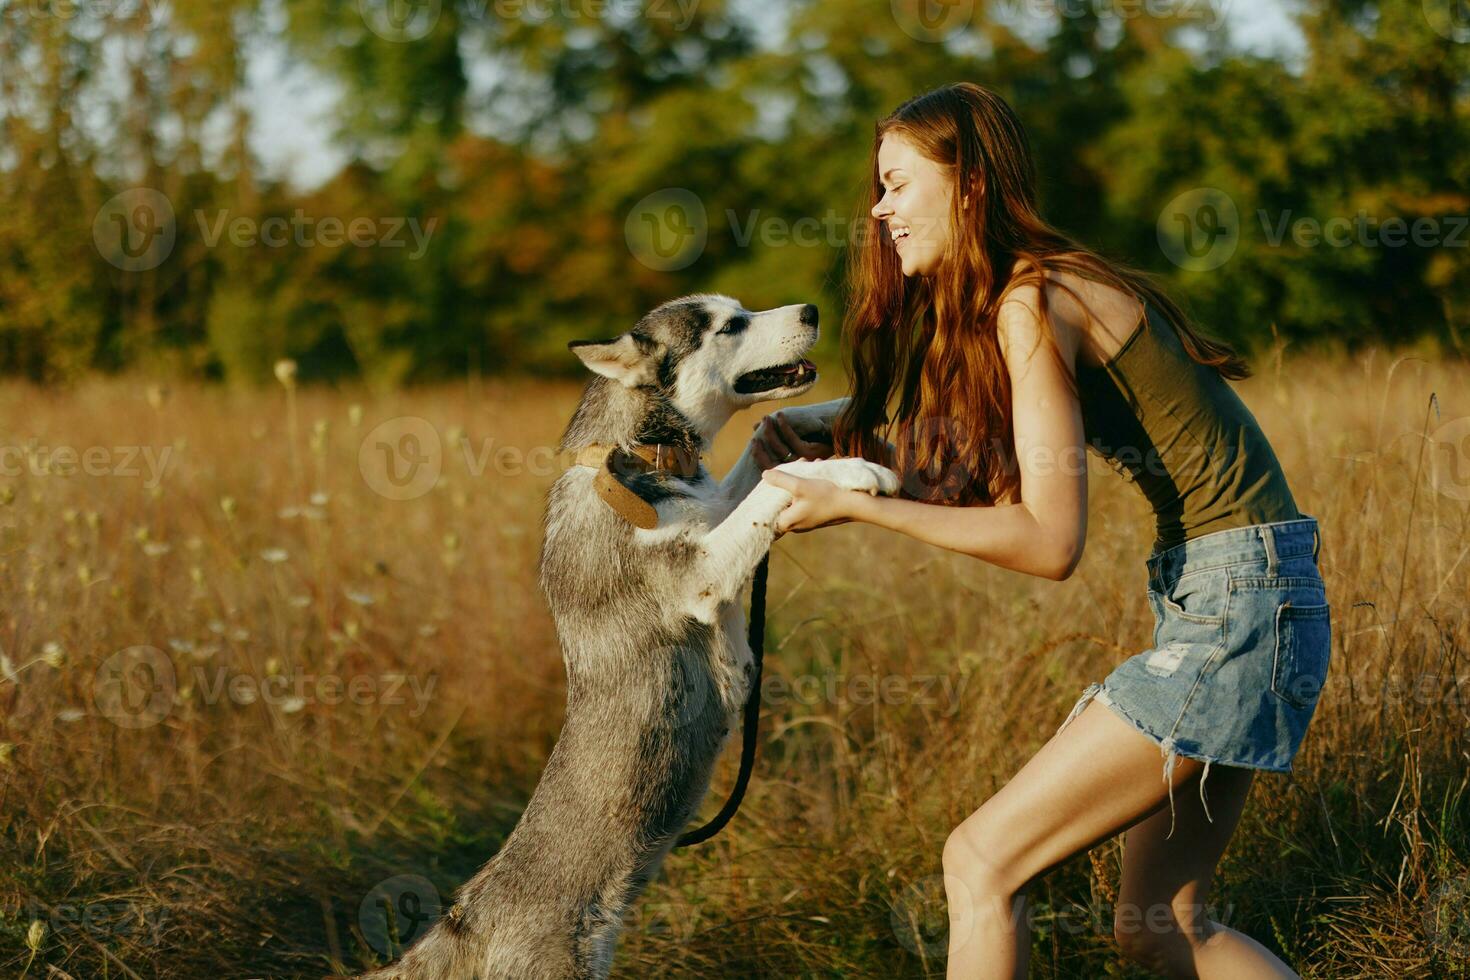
<point x="251" y="703"/>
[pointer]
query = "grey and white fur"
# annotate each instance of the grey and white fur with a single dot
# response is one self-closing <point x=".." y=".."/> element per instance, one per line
<point x="653" y="637"/>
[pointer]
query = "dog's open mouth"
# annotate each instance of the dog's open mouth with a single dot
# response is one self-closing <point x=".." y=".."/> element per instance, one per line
<point x="780" y="376"/>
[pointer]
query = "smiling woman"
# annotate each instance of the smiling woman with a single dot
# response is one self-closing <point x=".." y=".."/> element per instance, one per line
<point x="915" y="205"/>
<point x="1008" y="348"/>
<point x="953" y="185"/>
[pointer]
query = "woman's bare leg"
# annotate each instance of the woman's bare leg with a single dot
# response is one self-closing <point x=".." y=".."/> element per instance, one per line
<point x="1161" y="921"/>
<point x="1091" y="781"/>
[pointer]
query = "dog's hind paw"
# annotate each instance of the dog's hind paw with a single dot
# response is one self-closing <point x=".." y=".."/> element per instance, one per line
<point x="848" y="472"/>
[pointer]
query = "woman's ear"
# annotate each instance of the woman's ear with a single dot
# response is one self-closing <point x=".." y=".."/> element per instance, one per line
<point x="974" y="192"/>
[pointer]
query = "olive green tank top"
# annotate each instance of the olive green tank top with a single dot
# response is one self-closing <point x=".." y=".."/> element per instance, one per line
<point x="1177" y="429"/>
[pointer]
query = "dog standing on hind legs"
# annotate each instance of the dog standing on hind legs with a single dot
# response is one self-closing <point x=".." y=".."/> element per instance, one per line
<point x="644" y="562"/>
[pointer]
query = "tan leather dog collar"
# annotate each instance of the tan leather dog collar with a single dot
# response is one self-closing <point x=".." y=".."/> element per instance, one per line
<point x="611" y="461"/>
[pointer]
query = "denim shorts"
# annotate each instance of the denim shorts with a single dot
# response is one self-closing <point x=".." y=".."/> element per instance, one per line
<point x="1241" y="645"/>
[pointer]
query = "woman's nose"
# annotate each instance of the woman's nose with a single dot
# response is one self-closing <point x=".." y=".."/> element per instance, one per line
<point x="881" y="209"/>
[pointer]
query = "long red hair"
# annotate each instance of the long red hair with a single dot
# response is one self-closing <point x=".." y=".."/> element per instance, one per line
<point x="930" y="342"/>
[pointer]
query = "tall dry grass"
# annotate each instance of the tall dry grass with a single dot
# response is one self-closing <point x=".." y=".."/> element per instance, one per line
<point x="245" y="836"/>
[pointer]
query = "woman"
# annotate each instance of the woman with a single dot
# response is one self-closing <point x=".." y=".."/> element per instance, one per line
<point x="1008" y="349"/>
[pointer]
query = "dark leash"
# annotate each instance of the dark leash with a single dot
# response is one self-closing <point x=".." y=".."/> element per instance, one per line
<point x="752" y="711"/>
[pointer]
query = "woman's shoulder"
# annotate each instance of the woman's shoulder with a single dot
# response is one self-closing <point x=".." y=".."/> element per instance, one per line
<point x="1021" y="325"/>
<point x="1094" y="317"/>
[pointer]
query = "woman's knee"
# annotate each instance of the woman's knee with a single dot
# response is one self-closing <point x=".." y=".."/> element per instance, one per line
<point x="976" y="856"/>
<point x="1157" y="937"/>
<point x="1143" y="932"/>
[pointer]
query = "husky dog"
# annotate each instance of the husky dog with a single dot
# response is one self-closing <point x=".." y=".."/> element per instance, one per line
<point x="652" y="633"/>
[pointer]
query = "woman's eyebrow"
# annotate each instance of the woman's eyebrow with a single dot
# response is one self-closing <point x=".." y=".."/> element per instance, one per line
<point x="888" y="174"/>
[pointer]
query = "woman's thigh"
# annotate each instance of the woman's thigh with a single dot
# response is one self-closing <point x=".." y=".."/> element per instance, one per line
<point x="1166" y="877"/>
<point x="1095" y="778"/>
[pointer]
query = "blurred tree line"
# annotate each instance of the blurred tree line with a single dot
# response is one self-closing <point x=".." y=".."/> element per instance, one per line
<point x="545" y="148"/>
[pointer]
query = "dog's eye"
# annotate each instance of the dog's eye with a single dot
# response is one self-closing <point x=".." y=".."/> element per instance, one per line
<point x="734" y="325"/>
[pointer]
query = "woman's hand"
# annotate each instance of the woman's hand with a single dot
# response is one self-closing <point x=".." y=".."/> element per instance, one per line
<point x="776" y="442"/>
<point x="815" y="503"/>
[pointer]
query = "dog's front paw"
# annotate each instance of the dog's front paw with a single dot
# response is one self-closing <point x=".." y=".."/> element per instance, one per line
<point x="848" y="472"/>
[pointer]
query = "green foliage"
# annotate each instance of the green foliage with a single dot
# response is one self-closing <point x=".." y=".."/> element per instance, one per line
<point x="523" y="139"/>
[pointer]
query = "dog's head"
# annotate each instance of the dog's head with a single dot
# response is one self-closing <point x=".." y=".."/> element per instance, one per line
<point x="709" y="356"/>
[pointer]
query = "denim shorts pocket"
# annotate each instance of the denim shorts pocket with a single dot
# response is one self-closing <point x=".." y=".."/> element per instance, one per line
<point x="1303" y="648"/>
<point x="1197" y="597"/>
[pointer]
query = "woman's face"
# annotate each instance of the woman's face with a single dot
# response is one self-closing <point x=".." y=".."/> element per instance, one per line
<point x="915" y="204"/>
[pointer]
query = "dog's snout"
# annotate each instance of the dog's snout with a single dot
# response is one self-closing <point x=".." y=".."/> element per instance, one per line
<point x="809" y="315"/>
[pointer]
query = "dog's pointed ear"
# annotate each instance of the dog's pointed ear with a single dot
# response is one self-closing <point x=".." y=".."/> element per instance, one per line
<point x="629" y="360"/>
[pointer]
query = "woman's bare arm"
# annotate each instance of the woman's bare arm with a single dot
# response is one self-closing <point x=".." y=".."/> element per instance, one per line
<point x="1043" y="533"/>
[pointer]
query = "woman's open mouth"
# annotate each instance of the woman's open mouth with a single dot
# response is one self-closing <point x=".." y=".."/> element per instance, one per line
<point x="781" y="376"/>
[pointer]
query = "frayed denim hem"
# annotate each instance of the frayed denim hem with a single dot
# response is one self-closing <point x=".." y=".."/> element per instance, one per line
<point x="1167" y="747"/>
